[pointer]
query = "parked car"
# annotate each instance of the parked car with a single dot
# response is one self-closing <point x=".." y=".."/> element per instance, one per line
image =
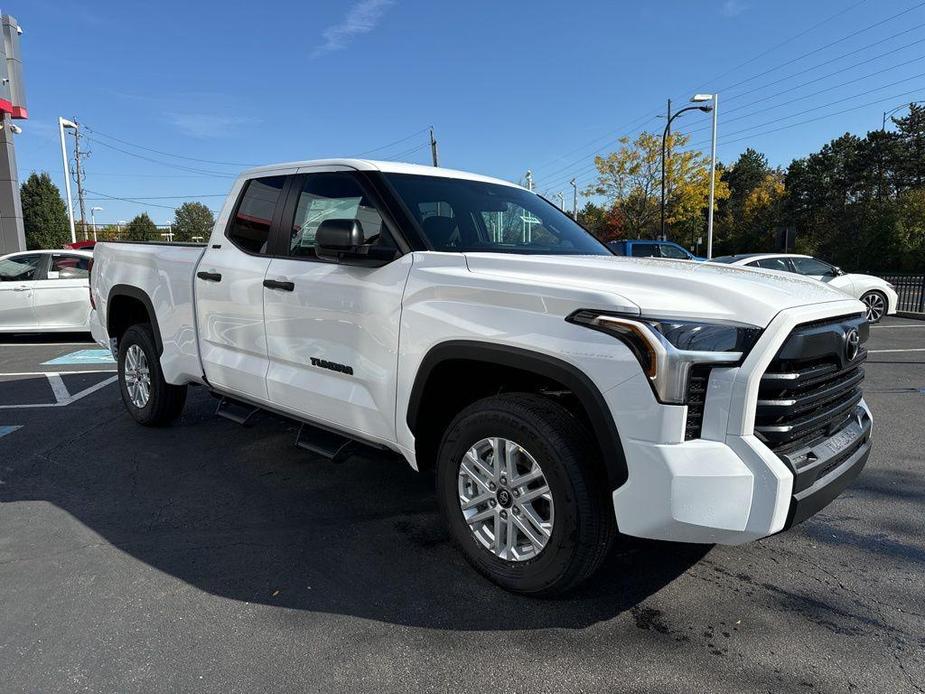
<point x="559" y="392"/>
<point x="639" y="248"/>
<point x="878" y="295"/>
<point x="45" y="291"/>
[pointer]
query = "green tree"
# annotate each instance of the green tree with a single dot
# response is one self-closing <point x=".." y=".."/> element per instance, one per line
<point x="44" y="213"/>
<point x="911" y="132"/>
<point x="192" y="219"/>
<point x="141" y="228"/>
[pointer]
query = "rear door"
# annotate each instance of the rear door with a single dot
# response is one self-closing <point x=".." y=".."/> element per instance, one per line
<point x="332" y="329"/>
<point x="229" y="291"/>
<point x="18" y="275"/>
<point x="62" y="299"/>
<point x="644" y="250"/>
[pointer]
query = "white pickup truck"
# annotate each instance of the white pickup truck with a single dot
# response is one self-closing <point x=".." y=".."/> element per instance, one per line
<point x="560" y="393"/>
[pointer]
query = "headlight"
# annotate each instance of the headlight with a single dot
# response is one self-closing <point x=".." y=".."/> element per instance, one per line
<point x="667" y="349"/>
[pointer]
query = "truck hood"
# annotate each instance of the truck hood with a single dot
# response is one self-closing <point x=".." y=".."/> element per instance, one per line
<point x="665" y="288"/>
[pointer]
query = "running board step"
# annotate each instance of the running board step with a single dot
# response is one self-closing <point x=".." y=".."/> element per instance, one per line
<point x="325" y="443"/>
<point x="236" y="411"/>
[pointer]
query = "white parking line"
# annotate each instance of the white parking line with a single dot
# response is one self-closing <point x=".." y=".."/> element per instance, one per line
<point x="45" y="344"/>
<point x="896" y="327"/>
<point x="63" y="397"/>
<point x="60" y="373"/>
<point x="884" y="351"/>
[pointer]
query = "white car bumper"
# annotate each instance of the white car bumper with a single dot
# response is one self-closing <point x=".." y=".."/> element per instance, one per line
<point x="727" y="486"/>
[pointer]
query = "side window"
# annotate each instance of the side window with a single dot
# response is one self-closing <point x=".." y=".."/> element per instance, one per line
<point x="643" y="250"/>
<point x="772" y="264"/>
<point x="811" y="266"/>
<point x="249" y="230"/>
<point x="20" y="268"/>
<point x="69" y="267"/>
<point x="670" y="251"/>
<point x="334" y="195"/>
<point x="618" y="247"/>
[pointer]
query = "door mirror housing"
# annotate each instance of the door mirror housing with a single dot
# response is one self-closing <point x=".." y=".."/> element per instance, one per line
<point x="343" y="241"/>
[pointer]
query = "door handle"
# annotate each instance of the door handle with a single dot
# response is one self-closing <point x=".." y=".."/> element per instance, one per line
<point x="21" y="289"/>
<point x="210" y="276"/>
<point x="279" y="284"/>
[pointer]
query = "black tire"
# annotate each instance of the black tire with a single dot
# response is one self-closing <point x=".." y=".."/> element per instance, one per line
<point x="165" y="401"/>
<point x="885" y="304"/>
<point x="583" y="528"/>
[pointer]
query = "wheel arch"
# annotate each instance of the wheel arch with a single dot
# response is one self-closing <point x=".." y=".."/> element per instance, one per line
<point x="127" y="306"/>
<point x="468" y="360"/>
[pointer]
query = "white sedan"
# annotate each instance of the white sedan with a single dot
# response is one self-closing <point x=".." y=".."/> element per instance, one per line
<point x="879" y="295"/>
<point x="45" y="291"/>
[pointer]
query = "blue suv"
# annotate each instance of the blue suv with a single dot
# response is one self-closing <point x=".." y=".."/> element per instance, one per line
<point x="639" y="248"/>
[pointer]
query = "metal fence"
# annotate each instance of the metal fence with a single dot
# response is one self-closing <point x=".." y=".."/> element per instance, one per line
<point x="911" y="290"/>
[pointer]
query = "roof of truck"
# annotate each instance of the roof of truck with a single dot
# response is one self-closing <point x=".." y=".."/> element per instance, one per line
<point x="384" y="166"/>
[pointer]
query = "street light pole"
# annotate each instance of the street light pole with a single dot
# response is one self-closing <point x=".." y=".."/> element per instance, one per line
<point x="529" y="180"/>
<point x="574" y="199"/>
<point x="712" y="180"/>
<point x="62" y="124"/>
<point x="705" y="109"/>
<point x="93" y="219"/>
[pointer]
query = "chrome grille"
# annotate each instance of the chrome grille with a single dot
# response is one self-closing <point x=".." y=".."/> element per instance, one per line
<point x="811" y="389"/>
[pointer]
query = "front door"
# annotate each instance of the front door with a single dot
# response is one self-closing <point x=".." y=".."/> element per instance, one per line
<point x="332" y="329"/>
<point x="229" y="292"/>
<point x="18" y="274"/>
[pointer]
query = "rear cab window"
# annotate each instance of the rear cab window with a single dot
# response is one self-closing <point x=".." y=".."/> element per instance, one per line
<point x="643" y="250"/>
<point x="249" y="228"/>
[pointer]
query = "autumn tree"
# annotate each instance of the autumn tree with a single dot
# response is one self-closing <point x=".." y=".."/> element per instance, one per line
<point x="630" y="180"/>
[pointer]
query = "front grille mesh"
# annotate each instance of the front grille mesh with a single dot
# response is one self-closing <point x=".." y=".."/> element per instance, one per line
<point x="804" y="400"/>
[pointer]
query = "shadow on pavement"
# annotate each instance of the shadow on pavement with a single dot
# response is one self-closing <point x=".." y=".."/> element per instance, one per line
<point x="243" y="514"/>
<point x="44" y="338"/>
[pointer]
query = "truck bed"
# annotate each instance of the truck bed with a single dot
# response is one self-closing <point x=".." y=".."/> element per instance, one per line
<point x="160" y="274"/>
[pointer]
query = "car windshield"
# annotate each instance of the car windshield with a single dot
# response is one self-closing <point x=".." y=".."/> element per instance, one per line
<point x="460" y="215"/>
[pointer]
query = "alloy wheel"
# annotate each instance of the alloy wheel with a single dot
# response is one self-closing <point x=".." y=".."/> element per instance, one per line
<point x="505" y="499"/>
<point x="137" y="376"/>
<point x="875" y="306"/>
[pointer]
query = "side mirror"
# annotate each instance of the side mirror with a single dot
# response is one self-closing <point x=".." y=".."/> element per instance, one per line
<point x="339" y="238"/>
<point x="839" y="272"/>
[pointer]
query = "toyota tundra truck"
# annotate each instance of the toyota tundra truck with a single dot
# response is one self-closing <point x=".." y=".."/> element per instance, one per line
<point x="560" y="394"/>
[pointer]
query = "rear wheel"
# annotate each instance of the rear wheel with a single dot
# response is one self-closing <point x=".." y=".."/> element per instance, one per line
<point x="520" y="486"/>
<point x="876" y="305"/>
<point x="146" y="395"/>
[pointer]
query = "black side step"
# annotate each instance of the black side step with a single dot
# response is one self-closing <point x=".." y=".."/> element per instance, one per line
<point x="236" y="411"/>
<point x="325" y="443"/>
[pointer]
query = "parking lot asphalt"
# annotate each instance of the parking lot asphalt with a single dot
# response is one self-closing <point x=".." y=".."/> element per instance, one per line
<point x="212" y="557"/>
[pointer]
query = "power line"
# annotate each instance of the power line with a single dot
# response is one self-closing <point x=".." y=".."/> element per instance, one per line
<point x="822" y="48"/>
<point x="166" y="154"/>
<point x="171" y="165"/>
<point x="391" y="144"/>
<point x="168" y="197"/>
<point x="135" y="200"/>
<point x="781" y="44"/>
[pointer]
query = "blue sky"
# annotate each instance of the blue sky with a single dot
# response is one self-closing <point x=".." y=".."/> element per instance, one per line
<point x="508" y="85"/>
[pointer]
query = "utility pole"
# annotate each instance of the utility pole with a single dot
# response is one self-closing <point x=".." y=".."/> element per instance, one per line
<point x="712" y="179"/>
<point x="433" y="147"/>
<point x="79" y="178"/>
<point x="529" y="180"/>
<point x="574" y="199"/>
<point x="561" y="197"/>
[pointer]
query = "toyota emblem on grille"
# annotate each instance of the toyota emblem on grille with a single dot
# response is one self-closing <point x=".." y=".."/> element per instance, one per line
<point x="852" y="344"/>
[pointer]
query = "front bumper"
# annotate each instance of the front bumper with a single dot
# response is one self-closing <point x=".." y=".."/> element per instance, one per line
<point x="726" y="487"/>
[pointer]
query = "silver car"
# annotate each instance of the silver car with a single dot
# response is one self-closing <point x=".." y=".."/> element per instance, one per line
<point x="45" y="291"/>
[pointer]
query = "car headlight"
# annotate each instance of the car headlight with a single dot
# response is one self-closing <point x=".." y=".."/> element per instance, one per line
<point x="667" y="348"/>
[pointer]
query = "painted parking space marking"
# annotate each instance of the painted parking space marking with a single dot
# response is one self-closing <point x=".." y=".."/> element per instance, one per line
<point x="895" y="327"/>
<point x="82" y="356"/>
<point x="63" y="397"/>
<point x="60" y="373"/>
<point x="885" y="351"/>
<point x="8" y="429"/>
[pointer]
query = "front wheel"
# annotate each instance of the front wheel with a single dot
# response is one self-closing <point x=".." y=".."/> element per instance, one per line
<point x="146" y="395"/>
<point x="876" y="306"/>
<point x="522" y="491"/>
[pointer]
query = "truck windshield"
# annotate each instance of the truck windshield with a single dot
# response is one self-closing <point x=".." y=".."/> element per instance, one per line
<point x="459" y="215"/>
